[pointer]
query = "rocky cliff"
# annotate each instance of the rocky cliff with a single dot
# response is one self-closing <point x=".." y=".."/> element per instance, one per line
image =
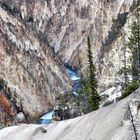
<point x="38" y="37"/>
<point x="28" y="66"/>
<point x="65" y="24"/>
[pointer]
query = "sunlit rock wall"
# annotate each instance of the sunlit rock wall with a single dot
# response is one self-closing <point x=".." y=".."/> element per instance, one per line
<point x="37" y="35"/>
<point x="29" y="66"/>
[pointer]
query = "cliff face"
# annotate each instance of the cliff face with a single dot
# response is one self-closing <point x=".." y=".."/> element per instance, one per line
<point x="65" y="25"/>
<point x="28" y="66"/>
<point x="35" y="36"/>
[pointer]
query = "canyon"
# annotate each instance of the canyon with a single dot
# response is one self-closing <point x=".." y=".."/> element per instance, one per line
<point x="38" y="37"/>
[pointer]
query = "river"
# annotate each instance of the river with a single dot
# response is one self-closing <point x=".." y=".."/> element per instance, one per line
<point x="75" y="78"/>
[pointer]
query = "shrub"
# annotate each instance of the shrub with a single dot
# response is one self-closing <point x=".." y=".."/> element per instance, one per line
<point x="5" y="103"/>
<point x="130" y="88"/>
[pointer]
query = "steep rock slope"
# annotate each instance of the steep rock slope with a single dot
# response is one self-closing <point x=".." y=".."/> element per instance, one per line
<point x="32" y="31"/>
<point x="108" y="123"/>
<point x="65" y="25"/>
<point x="28" y="66"/>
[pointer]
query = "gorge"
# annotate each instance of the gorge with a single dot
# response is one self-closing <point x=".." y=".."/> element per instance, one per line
<point x="37" y="39"/>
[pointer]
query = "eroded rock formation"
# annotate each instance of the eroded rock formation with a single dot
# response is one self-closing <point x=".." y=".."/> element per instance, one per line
<point x="37" y="37"/>
<point x="28" y="66"/>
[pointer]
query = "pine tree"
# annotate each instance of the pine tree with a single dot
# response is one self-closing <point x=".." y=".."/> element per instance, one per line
<point x="134" y="43"/>
<point x="92" y="83"/>
<point x="82" y="96"/>
<point x="125" y="69"/>
<point x="134" y="46"/>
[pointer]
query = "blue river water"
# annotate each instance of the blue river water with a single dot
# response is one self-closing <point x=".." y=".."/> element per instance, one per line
<point x="46" y="118"/>
<point x="74" y="77"/>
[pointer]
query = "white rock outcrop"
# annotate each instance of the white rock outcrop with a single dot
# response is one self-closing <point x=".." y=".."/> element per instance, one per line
<point x="107" y="123"/>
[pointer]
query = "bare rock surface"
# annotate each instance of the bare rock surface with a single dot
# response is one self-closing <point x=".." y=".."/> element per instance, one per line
<point x="65" y="25"/>
<point x="28" y="67"/>
<point x="108" y="123"/>
<point x="38" y="37"/>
